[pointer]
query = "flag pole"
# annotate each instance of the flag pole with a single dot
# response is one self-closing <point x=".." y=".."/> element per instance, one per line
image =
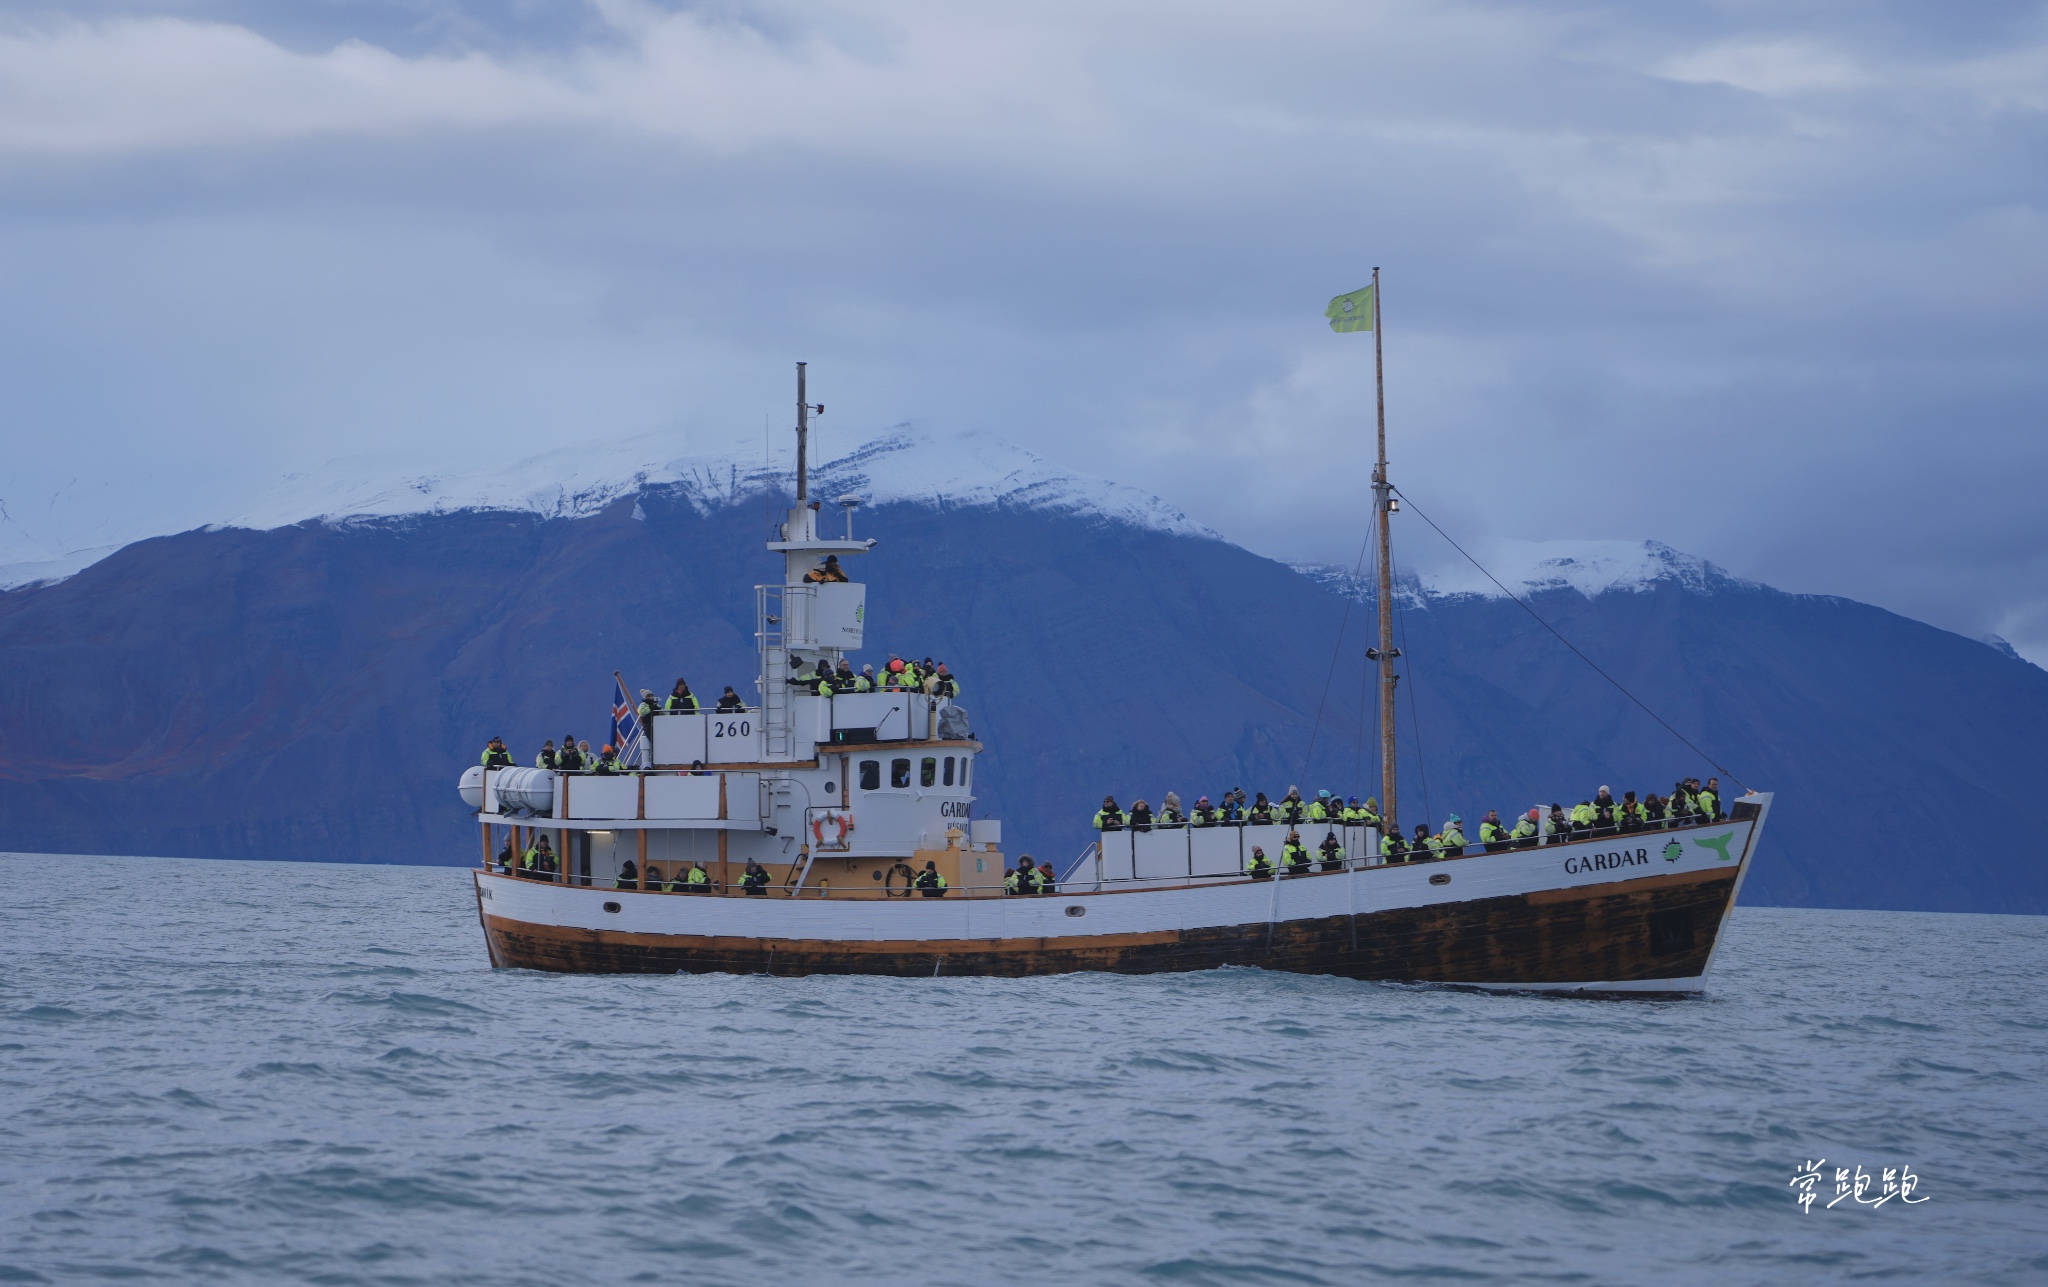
<point x="1382" y="495"/>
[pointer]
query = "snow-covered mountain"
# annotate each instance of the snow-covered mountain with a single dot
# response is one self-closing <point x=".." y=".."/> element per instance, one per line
<point x="903" y="465"/>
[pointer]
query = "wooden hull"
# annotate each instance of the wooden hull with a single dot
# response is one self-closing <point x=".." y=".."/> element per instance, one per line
<point x="1574" y="918"/>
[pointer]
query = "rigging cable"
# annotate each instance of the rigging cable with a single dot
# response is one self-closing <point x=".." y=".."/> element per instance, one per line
<point x="1335" y="649"/>
<point x="1414" y="715"/>
<point x="1365" y="688"/>
<point x="1569" y="644"/>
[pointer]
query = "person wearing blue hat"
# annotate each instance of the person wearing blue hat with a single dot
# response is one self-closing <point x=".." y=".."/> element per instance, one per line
<point x="1319" y="808"/>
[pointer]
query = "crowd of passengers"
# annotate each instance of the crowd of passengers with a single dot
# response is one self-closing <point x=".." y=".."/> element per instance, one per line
<point x="539" y="861"/>
<point x="898" y="675"/>
<point x="1690" y="803"/>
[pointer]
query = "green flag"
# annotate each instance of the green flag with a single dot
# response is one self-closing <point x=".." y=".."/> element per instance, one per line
<point x="1351" y="312"/>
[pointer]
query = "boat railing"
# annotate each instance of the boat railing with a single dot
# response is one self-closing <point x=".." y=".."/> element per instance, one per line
<point x="1576" y="834"/>
<point x="1088" y="875"/>
<point x="1101" y="869"/>
<point x="1194" y="854"/>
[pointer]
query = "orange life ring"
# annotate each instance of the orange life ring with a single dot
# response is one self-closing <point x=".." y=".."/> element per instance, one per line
<point x="845" y="822"/>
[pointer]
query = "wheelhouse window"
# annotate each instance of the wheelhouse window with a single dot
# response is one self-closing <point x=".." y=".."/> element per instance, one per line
<point x="965" y="764"/>
<point x="899" y="773"/>
<point x="928" y="772"/>
<point x="949" y="771"/>
<point x="870" y="775"/>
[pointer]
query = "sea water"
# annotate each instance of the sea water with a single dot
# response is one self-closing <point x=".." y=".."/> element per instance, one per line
<point x="300" y="1073"/>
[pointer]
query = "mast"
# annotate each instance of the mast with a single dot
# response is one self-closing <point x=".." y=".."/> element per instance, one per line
<point x="1382" y="495"/>
<point x="803" y="429"/>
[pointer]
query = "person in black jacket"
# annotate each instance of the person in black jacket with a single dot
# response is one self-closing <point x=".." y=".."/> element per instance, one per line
<point x="1109" y="817"/>
<point x="729" y="702"/>
<point x="755" y="882"/>
<point x="1392" y="847"/>
<point x="496" y="756"/>
<point x="569" y="759"/>
<point x="1141" y="816"/>
<point x="1333" y="852"/>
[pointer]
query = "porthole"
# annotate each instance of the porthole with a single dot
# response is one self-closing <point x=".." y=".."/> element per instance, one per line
<point x="611" y="907"/>
<point x="1441" y="878"/>
<point x="878" y="875"/>
<point x="830" y="787"/>
<point x="1077" y="910"/>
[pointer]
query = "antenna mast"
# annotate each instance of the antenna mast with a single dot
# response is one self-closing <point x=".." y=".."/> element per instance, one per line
<point x="1382" y="495"/>
<point x="803" y="429"/>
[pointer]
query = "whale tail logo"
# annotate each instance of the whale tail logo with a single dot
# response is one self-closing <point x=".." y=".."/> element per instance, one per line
<point x="1719" y="844"/>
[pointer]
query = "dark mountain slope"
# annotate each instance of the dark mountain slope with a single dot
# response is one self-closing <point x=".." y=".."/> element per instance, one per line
<point x="314" y="691"/>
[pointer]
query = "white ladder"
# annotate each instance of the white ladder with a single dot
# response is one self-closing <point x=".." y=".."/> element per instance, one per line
<point x="770" y="619"/>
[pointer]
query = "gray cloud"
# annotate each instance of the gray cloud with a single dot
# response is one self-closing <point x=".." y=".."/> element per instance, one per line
<point x="1765" y="282"/>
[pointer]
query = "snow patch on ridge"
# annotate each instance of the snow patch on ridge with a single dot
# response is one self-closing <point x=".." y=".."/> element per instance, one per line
<point x="1533" y="567"/>
<point x="979" y="469"/>
<point x="903" y="466"/>
<point x="1409" y="591"/>
<point x="1589" y="567"/>
<point x="19" y="576"/>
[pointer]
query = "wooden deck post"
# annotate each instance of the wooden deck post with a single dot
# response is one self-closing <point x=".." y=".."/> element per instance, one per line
<point x="724" y="875"/>
<point x="562" y="854"/>
<point x="643" y="856"/>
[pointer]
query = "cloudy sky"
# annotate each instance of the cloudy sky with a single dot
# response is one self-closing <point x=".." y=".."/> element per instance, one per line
<point x="1767" y="281"/>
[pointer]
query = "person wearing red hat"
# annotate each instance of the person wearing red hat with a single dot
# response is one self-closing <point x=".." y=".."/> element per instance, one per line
<point x="1527" y="827"/>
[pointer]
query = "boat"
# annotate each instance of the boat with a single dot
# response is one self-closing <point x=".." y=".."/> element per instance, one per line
<point x="821" y="830"/>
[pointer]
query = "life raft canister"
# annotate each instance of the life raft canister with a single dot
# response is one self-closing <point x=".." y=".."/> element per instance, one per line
<point x="836" y="822"/>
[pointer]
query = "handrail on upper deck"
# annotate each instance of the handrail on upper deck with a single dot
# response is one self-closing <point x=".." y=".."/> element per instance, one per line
<point x="1315" y="866"/>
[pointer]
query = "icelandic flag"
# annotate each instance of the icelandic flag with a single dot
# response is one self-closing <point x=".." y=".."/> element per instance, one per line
<point x="626" y="738"/>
